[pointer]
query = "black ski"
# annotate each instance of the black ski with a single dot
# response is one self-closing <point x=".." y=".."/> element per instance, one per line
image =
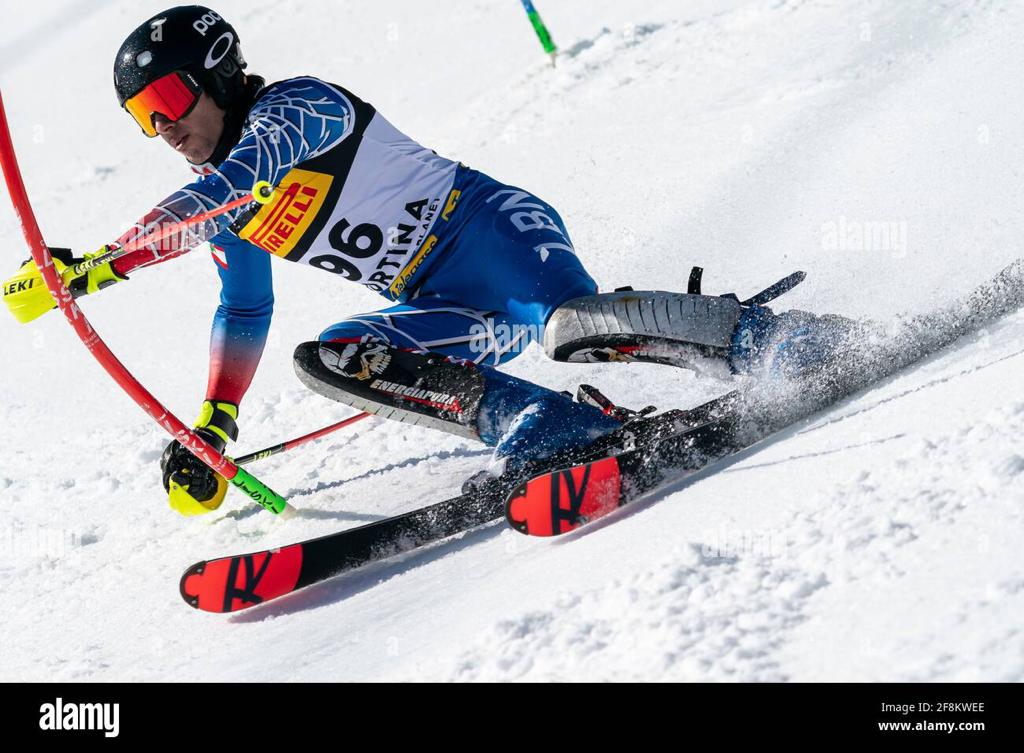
<point x="229" y="584"/>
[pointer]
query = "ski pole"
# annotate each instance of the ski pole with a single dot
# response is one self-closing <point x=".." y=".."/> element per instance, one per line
<point x="542" y="31"/>
<point x="262" y="193"/>
<point x="293" y="443"/>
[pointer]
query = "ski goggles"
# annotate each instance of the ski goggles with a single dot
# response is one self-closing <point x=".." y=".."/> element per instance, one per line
<point x="173" y="96"/>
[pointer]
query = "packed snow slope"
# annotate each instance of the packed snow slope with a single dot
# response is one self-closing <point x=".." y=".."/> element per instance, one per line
<point x="876" y="145"/>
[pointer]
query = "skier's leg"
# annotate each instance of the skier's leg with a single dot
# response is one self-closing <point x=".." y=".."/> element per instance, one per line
<point x="497" y="281"/>
<point x="512" y="255"/>
<point x="517" y="256"/>
<point x="430" y="365"/>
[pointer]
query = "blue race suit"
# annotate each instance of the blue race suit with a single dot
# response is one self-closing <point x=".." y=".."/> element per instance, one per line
<point x="474" y="267"/>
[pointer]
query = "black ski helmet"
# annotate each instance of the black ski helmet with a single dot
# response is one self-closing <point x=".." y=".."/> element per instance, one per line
<point x="188" y="38"/>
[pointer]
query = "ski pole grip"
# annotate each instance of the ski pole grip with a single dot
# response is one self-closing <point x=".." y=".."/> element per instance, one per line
<point x="87" y="265"/>
<point x="262" y="194"/>
<point x="260" y="493"/>
<point x="263" y="191"/>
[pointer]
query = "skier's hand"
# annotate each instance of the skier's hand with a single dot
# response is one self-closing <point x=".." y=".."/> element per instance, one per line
<point x="27" y="296"/>
<point x="192" y="488"/>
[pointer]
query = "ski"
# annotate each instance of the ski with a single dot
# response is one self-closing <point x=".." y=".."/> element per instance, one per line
<point x="559" y="501"/>
<point x="231" y="584"/>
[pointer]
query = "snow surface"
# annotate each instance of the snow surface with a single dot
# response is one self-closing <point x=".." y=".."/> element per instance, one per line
<point x="877" y="541"/>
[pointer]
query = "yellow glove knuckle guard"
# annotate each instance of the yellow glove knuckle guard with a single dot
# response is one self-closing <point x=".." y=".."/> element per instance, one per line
<point x="183" y="503"/>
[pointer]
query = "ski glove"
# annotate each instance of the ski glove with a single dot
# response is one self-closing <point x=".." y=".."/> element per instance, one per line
<point x="27" y="296"/>
<point x="192" y="488"/>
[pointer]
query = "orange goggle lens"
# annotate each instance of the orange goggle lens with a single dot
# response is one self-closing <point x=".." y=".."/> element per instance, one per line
<point x="173" y="96"/>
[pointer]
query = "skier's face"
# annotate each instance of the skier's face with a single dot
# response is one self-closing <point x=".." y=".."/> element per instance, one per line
<point x="196" y="135"/>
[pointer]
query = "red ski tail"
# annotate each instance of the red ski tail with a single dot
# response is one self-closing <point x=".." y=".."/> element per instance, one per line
<point x="562" y="501"/>
<point x="235" y="583"/>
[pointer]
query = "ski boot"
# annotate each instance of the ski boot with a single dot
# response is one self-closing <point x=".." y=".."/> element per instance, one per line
<point x="693" y="330"/>
<point x="522" y="421"/>
<point x="636" y="430"/>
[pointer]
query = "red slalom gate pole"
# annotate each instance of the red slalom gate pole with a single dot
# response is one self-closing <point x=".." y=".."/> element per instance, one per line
<point x="248" y="484"/>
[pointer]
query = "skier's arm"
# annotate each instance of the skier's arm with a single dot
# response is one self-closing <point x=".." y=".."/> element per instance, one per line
<point x="242" y="321"/>
<point x="293" y="121"/>
<point x="239" y="334"/>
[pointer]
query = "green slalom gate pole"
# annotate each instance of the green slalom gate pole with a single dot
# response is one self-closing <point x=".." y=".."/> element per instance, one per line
<point x="542" y="31"/>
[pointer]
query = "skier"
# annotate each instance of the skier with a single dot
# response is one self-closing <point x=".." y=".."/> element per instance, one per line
<point x="460" y="256"/>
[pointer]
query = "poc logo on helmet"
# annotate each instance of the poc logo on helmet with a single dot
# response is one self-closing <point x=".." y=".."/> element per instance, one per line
<point x="205" y="21"/>
<point x="219" y="51"/>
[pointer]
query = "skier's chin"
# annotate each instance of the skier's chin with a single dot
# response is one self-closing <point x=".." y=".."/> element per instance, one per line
<point x="199" y="157"/>
<point x="196" y="148"/>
